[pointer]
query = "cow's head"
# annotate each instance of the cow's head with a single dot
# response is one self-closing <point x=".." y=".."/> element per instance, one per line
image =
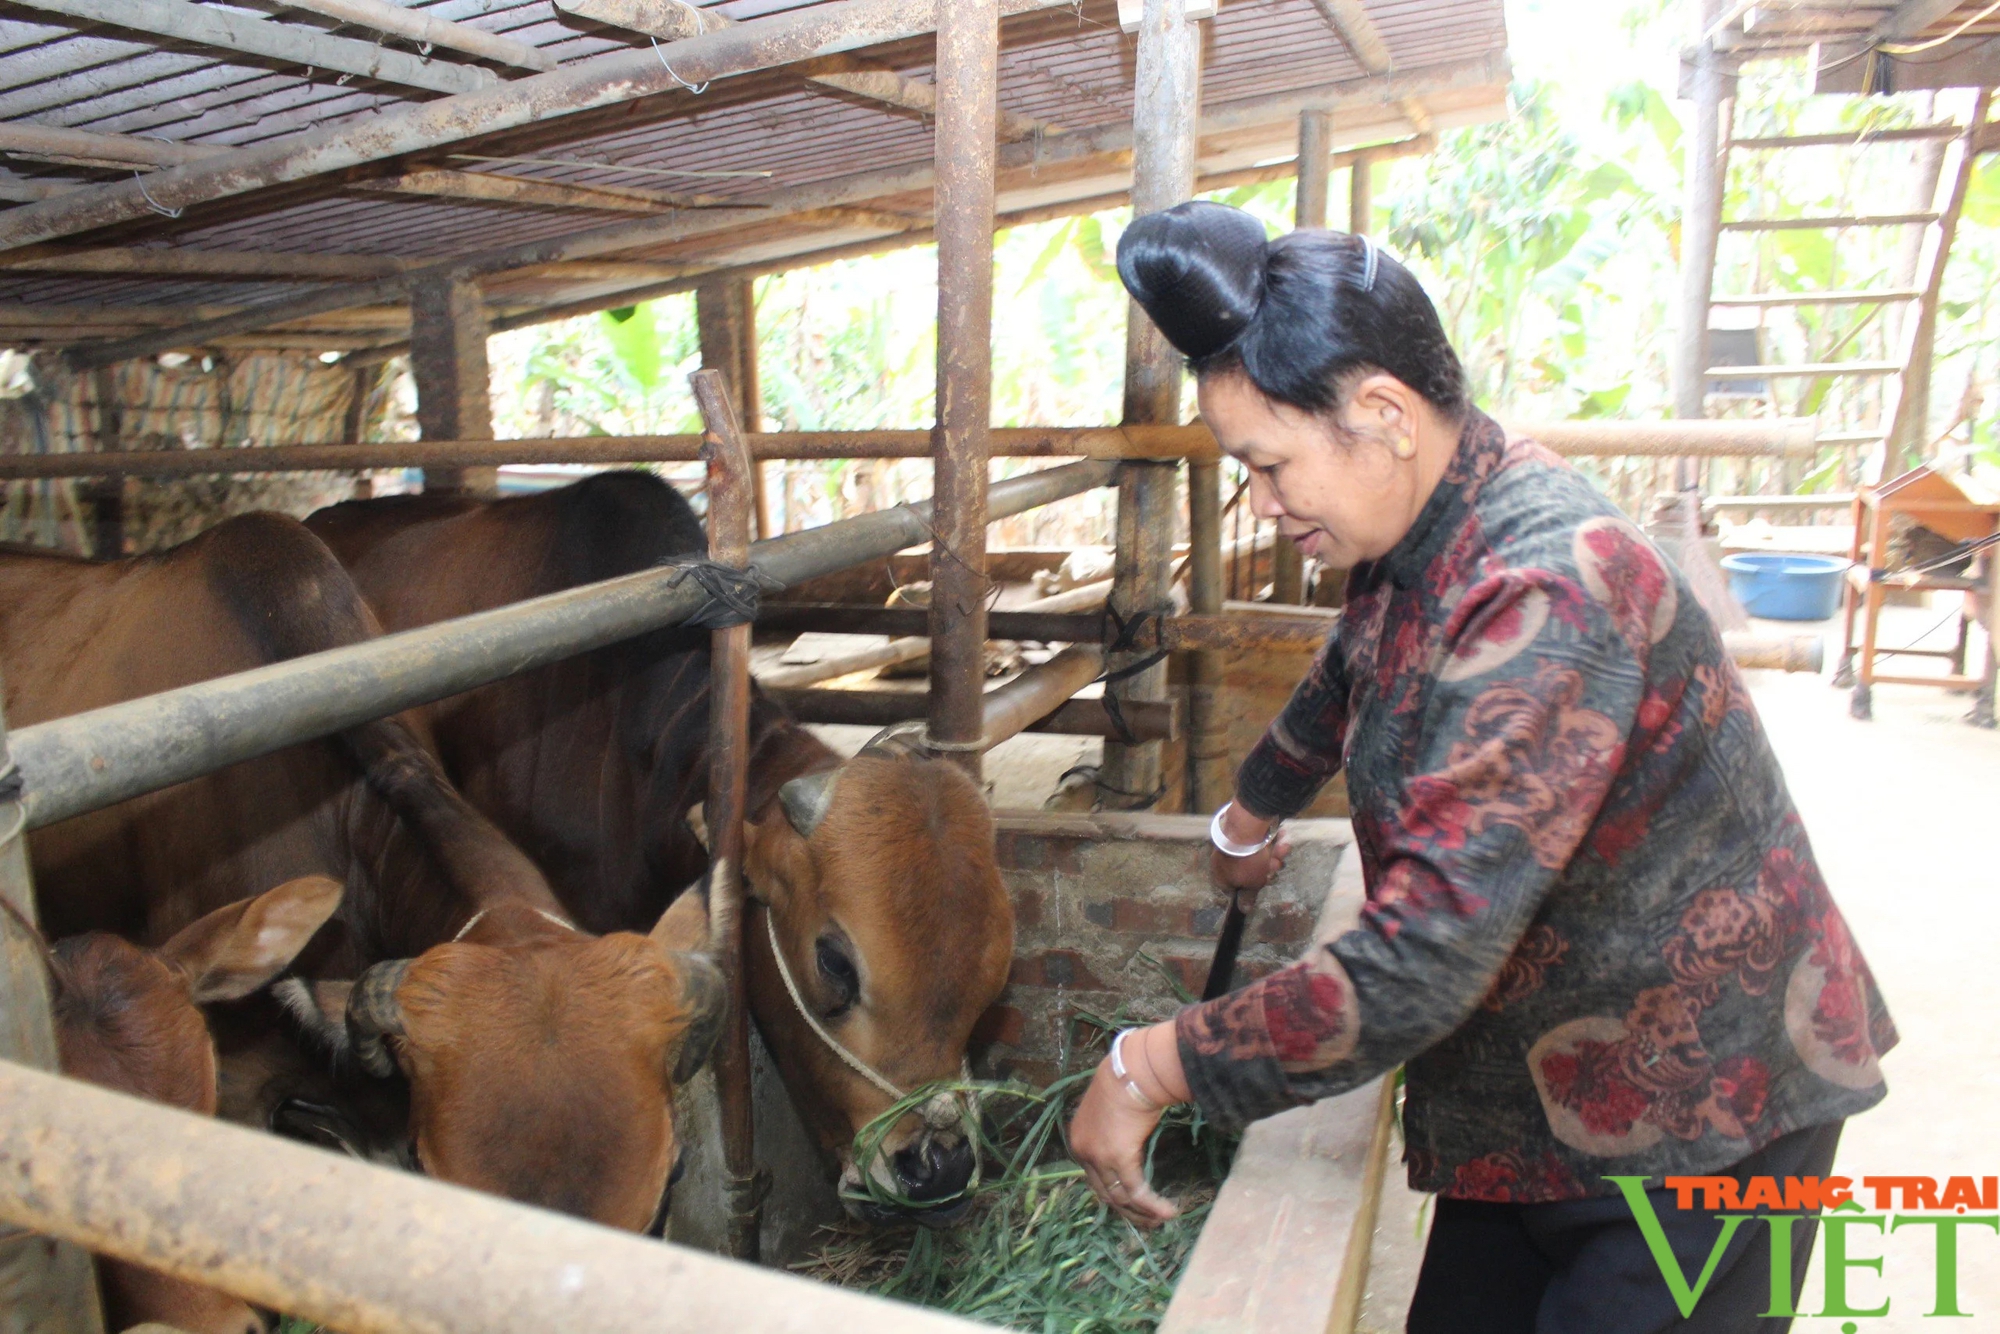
<point x="126" y="1018"/>
<point x="879" y="882"/>
<point x="543" y="1060"/>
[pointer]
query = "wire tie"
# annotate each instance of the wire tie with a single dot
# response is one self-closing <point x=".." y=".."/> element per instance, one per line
<point x="153" y="203"/>
<point x="696" y="90"/>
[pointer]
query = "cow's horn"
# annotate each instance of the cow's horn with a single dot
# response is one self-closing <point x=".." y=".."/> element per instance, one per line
<point x="897" y="740"/>
<point x="373" y="1013"/>
<point x="806" y="799"/>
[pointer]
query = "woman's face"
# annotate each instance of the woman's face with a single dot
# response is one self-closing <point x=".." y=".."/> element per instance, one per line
<point x="1342" y="500"/>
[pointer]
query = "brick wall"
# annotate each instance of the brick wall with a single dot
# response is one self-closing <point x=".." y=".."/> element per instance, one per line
<point x="1112" y="911"/>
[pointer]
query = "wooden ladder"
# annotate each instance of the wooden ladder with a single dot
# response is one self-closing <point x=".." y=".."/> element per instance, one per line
<point x="1905" y="396"/>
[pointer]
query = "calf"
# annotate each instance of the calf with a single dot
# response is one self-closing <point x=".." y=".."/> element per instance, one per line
<point x="128" y="1019"/>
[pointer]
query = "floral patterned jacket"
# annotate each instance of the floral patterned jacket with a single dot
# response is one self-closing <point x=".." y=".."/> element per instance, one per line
<point x="1594" y="927"/>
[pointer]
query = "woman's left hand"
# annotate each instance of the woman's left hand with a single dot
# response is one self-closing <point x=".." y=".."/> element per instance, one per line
<point x="1108" y="1138"/>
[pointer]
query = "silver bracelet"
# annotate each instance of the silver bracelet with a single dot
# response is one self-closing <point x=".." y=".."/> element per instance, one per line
<point x="1124" y="1076"/>
<point x="1230" y="848"/>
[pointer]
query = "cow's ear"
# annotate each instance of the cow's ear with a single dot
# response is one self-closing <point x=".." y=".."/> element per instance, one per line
<point x="235" y="950"/>
<point x="683" y="927"/>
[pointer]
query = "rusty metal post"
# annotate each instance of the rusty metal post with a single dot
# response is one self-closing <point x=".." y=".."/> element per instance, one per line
<point x="726" y="322"/>
<point x="1165" y="114"/>
<point x="448" y="361"/>
<point x="968" y="62"/>
<point x="46" y="1287"/>
<point x="730" y="505"/>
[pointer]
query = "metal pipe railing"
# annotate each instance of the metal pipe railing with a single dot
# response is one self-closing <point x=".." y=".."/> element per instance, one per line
<point x="366" y="1249"/>
<point x="94" y="759"/>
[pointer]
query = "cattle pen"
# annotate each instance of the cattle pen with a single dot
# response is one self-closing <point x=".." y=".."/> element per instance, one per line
<point x="817" y="130"/>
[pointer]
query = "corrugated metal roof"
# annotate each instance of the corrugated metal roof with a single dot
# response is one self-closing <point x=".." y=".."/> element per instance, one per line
<point x="1069" y="66"/>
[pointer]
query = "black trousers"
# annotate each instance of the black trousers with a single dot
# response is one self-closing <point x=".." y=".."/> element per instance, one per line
<point x="1582" y="1267"/>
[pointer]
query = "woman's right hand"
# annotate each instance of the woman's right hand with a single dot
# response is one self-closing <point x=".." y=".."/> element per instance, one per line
<point x="1242" y="877"/>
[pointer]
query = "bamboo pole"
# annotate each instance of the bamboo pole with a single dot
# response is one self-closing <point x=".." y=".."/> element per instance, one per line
<point x="731" y="518"/>
<point x="363" y="1248"/>
<point x="1777" y="438"/>
<point x="968" y="67"/>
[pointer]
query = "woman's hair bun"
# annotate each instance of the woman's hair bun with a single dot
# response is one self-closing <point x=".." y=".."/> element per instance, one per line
<point x="1198" y="269"/>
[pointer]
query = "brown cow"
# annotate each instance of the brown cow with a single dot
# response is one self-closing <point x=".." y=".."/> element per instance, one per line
<point x="127" y="1019"/>
<point x="542" y="1059"/>
<point x="879" y="873"/>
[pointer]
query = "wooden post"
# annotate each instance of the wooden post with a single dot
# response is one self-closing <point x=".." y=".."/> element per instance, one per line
<point x="1361" y="194"/>
<point x="726" y="321"/>
<point x="448" y="333"/>
<point x="46" y="1287"/>
<point x="1166" y="109"/>
<point x="730" y="504"/>
<point x="968" y="62"/>
<point x="1288" y="567"/>
<point x="106" y="495"/>
<point x="1701" y="223"/>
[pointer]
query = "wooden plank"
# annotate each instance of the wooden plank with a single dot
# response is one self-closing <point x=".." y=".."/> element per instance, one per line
<point x="1815" y="224"/>
<point x="1358" y="33"/>
<point x="1772" y="142"/>
<point x="1856" y="296"/>
<point x="422" y="27"/>
<point x="1805" y="368"/>
<point x="236" y="33"/>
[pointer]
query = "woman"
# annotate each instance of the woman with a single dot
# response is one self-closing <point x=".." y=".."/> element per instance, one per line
<point x="1594" y="929"/>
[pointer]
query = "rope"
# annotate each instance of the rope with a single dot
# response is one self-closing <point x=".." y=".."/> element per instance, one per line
<point x="854" y="1063"/>
<point x="733" y="594"/>
<point x="1125" y="639"/>
<point x="473" y="921"/>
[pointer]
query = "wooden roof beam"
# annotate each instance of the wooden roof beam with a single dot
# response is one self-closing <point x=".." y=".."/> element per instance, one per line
<point x="1909" y="19"/>
<point x="1349" y="20"/>
<point x="849" y="75"/>
<point x="493" y="188"/>
<point x="203" y="265"/>
<point x="421" y="27"/>
<point x="235" y="33"/>
<point x="789" y="38"/>
<point x="849" y="200"/>
<point x="56" y="144"/>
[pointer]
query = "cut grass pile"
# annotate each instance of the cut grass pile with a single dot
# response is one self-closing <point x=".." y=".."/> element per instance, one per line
<point x="1036" y="1251"/>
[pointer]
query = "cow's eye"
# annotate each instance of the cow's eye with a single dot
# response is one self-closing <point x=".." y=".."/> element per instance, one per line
<point x="837" y="971"/>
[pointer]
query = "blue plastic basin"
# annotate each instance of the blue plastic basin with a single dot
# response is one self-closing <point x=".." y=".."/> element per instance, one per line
<point x="1782" y="587"/>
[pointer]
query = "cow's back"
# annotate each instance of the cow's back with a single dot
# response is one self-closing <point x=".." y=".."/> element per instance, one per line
<point x="590" y="763"/>
<point x="256" y="589"/>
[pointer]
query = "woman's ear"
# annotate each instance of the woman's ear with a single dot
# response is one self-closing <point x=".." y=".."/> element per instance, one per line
<point x="1382" y="406"/>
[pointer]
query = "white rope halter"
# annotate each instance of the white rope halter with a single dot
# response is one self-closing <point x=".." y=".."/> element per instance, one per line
<point x="473" y="921"/>
<point x="938" y="1113"/>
